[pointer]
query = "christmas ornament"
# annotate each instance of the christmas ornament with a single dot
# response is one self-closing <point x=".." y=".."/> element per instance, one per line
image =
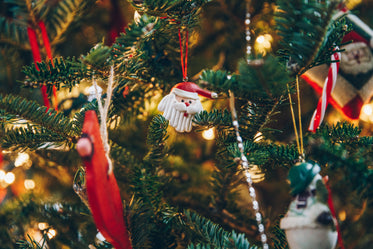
<point x="354" y="83"/>
<point x="182" y="103"/>
<point x="180" y="106"/>
<point x="308" y="224"/>
<point x="34" y="44"/>
<point x="329" y="85"/>
<point x="102" y="188"/>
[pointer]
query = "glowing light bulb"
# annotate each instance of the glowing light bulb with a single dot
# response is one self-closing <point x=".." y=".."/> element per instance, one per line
<point x="21" y="159"/>
<point x="9" y="178"/>
<point x="208" y="134"/>
<point x="2" y="175"/>
<point x="367" y="109"/>
<point x="29" y="184"/>
<point x="51" y="233"/>
<point x="260" y="39"/>
<point x="43" y="225"/>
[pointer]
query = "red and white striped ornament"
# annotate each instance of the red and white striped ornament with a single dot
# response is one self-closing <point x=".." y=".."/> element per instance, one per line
<point x="329" y="85"/>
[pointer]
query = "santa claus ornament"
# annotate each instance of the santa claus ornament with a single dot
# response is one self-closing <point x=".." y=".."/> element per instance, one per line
<point x="354" y="82"/>
<point x="180" y="106"/>
<point x="308" y="224"/>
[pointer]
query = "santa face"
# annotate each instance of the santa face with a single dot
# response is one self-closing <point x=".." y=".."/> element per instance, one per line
<point x="180" y="110"/>
<point x="357" y="58"/>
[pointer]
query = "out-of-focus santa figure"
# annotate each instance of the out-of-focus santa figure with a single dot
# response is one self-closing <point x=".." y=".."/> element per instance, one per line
<point x="354" y="85"/>
<point x="182" y="103"/>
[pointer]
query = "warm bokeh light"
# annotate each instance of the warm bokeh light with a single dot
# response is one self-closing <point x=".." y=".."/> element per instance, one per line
<point x="51" y="233"/>
<point x="29" y="184"/>
<point x="342" y="215"/>
<point x="21" y="159"/>
<point x="43" y="225"/>
<point x="367" y="109"/>
<point x="263" y="43"/>
<point x="2" y="175"/>
<point x="9" y="178"/>
<point x="209" y="134"/>
<point x="367" y="112"/>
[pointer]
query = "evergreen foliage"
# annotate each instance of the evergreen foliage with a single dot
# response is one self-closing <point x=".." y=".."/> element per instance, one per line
<point x="178" y="190"/>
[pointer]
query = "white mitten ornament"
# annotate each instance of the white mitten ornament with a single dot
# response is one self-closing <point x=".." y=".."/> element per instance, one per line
<point x="308" y="224"/>
<point x="180" y="106"/>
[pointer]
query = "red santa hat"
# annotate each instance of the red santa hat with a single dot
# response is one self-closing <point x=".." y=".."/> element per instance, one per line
<point x="191" y="90"/>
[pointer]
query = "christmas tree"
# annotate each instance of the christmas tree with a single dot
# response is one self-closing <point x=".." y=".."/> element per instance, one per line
<point x="180" y="124"/>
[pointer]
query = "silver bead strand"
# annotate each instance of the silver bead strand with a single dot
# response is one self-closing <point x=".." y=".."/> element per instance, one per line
<point x="245" y="166"/>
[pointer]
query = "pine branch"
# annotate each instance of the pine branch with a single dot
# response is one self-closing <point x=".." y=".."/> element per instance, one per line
<point x="157" y="136"/>
<point x="213" y="236"/>
<point x="61" y="15"/>
<point x="215" y="118"/>
<point x="14" y="32"/>
<point x="61" y="73"/>
<point x="32" y="137"/>
<point x="54" y="122"/>
<point x="303" y="25"/>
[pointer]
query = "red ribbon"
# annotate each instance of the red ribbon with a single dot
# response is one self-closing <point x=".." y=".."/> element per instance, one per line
<point x="37" y="58"/>
<point x="332" y="210"/>
<point x="184" y="57"/>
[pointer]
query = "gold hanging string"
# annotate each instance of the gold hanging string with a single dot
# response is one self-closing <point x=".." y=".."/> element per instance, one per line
<point x="300" y="120"/>
<point x="294" y="121"/>
<point x="298" y="136"/>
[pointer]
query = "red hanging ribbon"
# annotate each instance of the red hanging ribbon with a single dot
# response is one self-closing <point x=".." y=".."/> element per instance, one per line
<point x="184" y="57"/>
<point x="37" y="58"/>
<point x="332" y="210"/>
<point x="102" y="189"/>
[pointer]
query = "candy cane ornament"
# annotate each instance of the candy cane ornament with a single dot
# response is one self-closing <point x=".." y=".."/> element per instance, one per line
<point x="329" y="85"/>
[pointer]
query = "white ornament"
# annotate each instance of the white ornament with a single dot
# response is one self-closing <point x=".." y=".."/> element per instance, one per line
<point x="308" y="224"/>
<point x="180" y="106"/>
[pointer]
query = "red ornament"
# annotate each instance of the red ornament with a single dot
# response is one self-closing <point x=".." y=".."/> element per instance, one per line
<point x="102" y="189"/>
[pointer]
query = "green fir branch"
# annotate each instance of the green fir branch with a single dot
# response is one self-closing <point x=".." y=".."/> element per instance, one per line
<point x="61" y="15"/>
<point x="215" y="118"/>
<point x="14" y="32"/>
<point x="157" y="136"/>
<point x="302" y="26"/>
<point x="32" y="137"/>
<point x="213" y="236"/>
<point x="62" y="73"/>
<point x="30" y="110"/>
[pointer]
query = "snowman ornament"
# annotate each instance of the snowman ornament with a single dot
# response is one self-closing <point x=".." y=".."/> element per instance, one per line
<point x="308" y="224"/>
<point x="182" y="103"/>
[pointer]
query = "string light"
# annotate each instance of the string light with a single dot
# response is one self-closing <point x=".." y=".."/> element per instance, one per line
<point x="29" y="184"/>
<point x="51" y="233"/>
<point x="2" y="175"/>
<point x="9" y="178"/>
<point x="21" y="159"/>
<point x="209" y="134"/>
<point x="42" y="226"/>
<point x="245" y="166"/>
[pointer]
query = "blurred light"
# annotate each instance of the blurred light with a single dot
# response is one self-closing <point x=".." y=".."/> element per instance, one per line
<point x="137" y="17"/>
<point x="43" y="225"/>
<point x="209" y="134"/>
<point x="21" y="159"/>
<point x="258" y="136"/>
<point x="367" y="109"/>
<point x="9" y="178"/>
<point x="263" y="43"/>
<point x="342" y="215"/>
<point x="51" y="233"/>
<point x="2" y="175"/>
<point x="29" y="184"/>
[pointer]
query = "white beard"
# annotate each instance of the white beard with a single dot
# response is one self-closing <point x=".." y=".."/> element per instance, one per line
<point x="179" y="115"/>
<point x="353" y="66"/>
